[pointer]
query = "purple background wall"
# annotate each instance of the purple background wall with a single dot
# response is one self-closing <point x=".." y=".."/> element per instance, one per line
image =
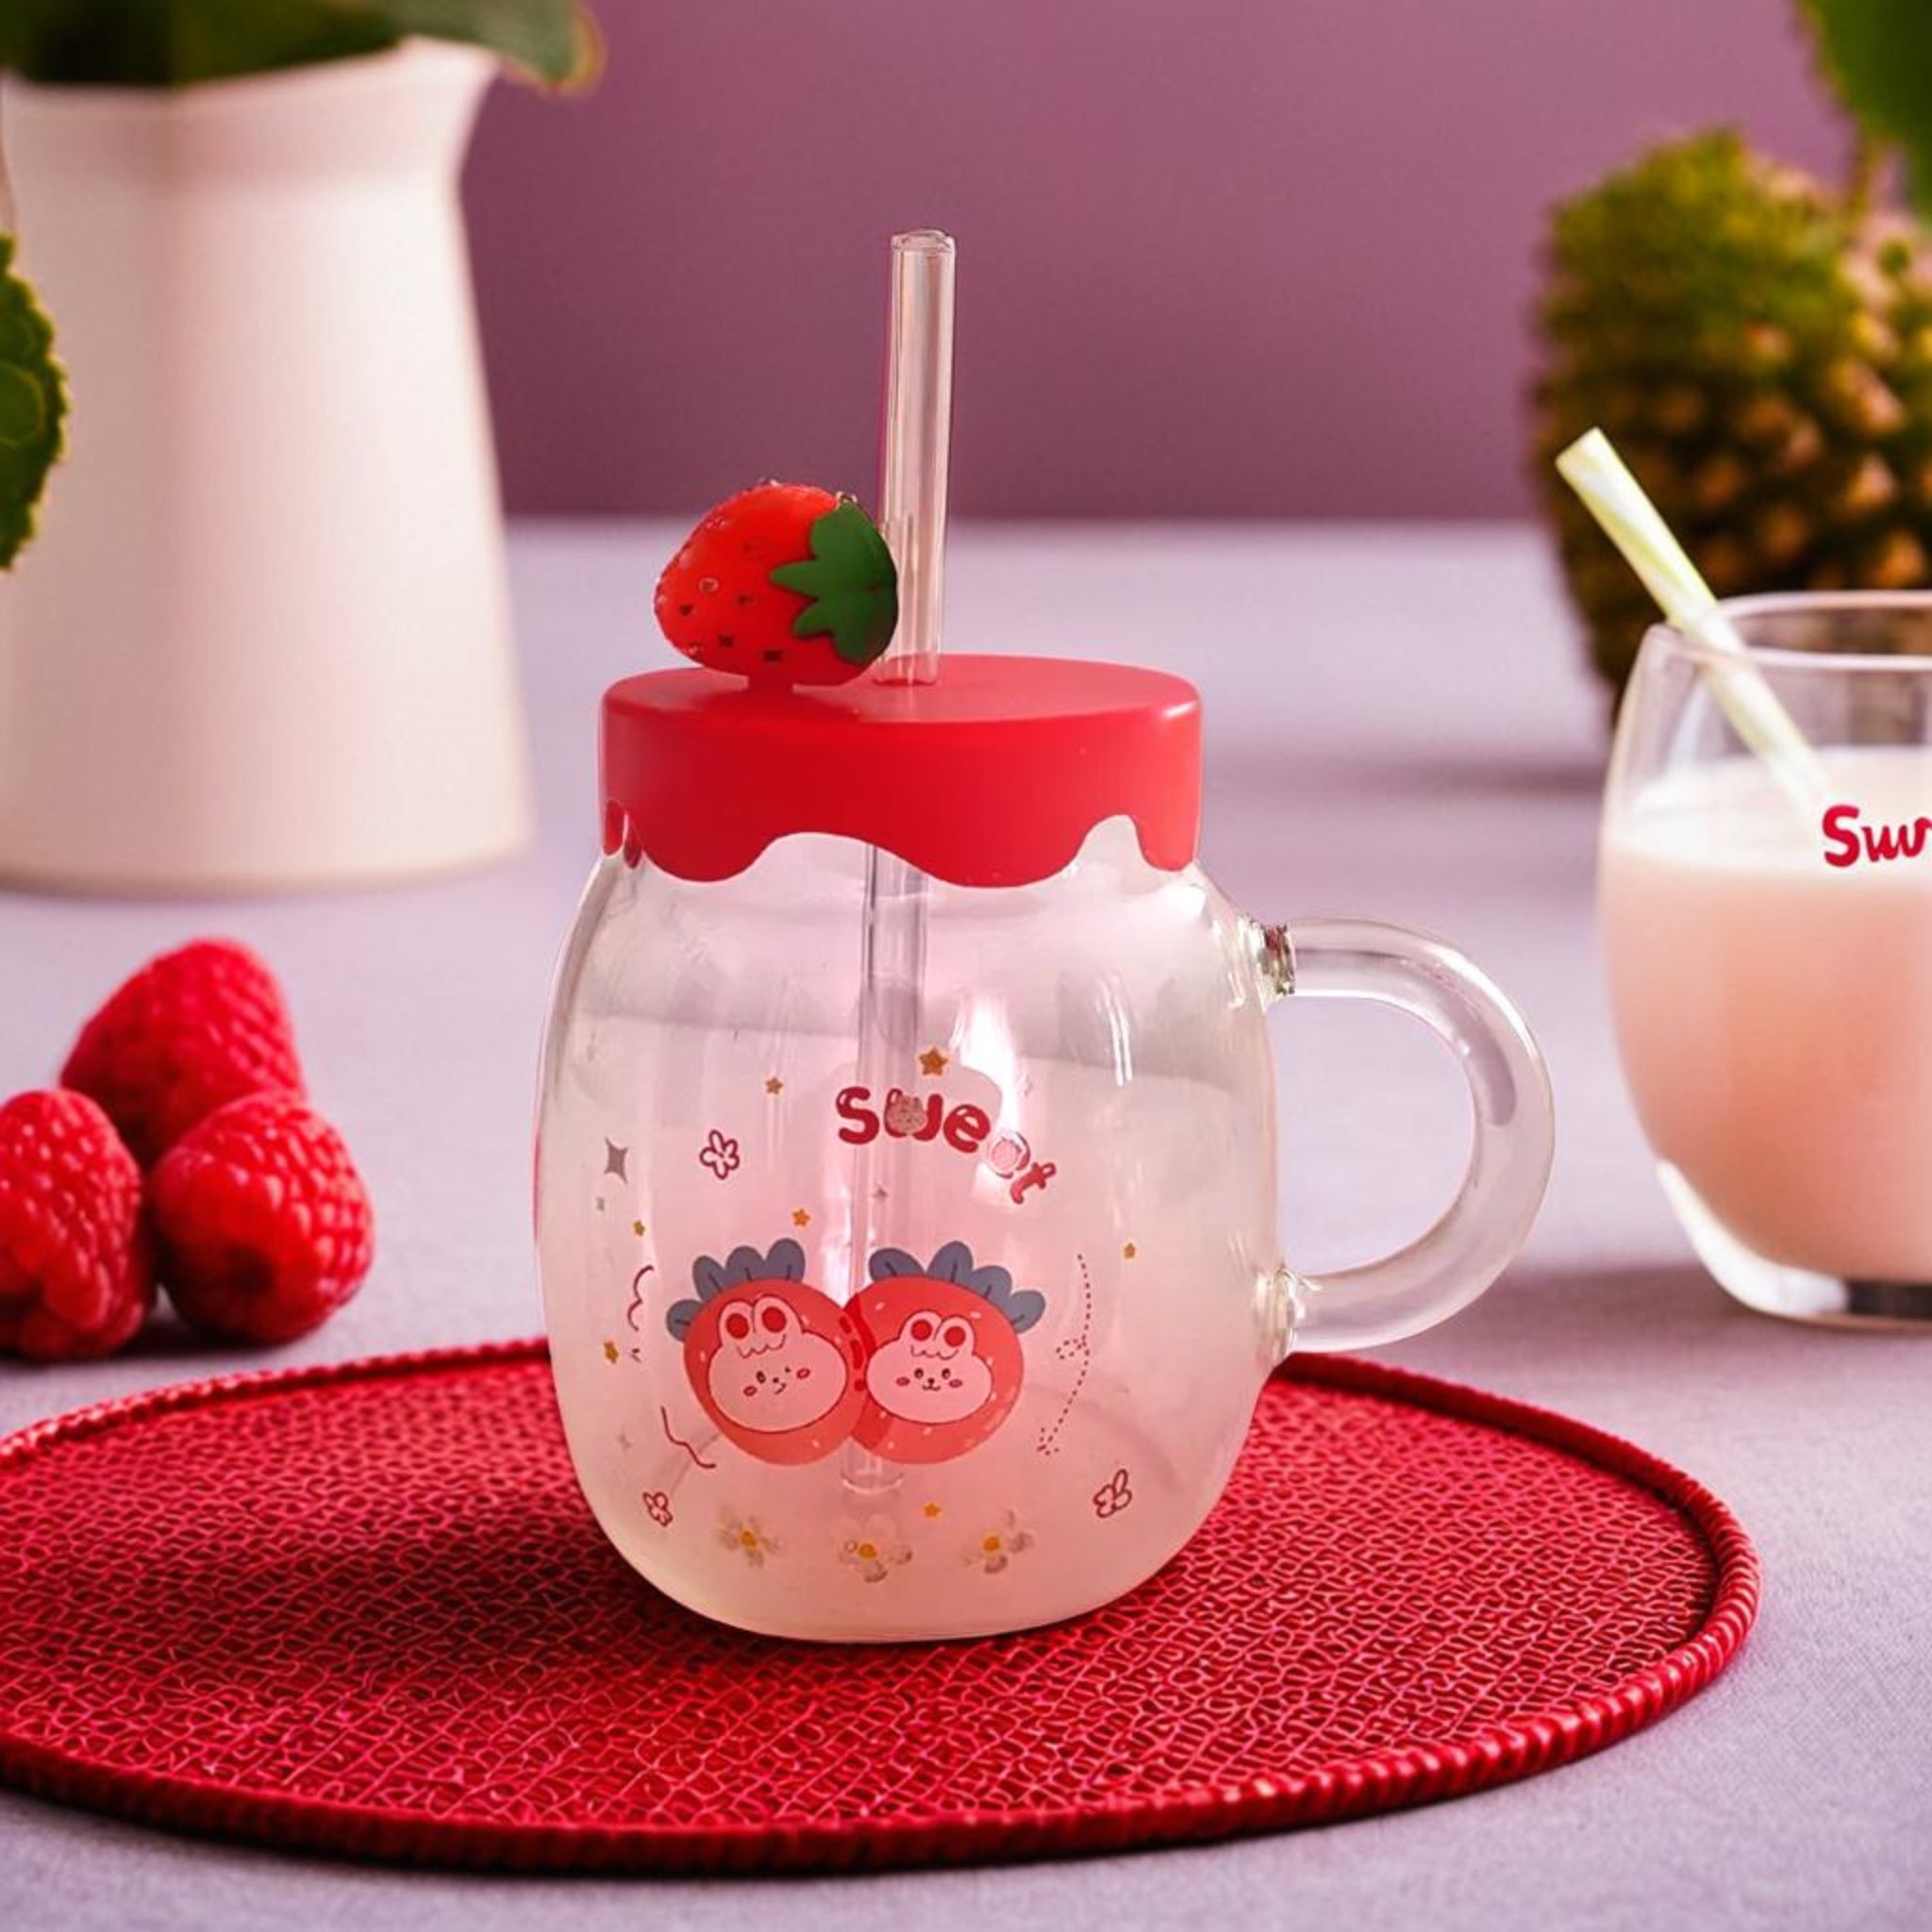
<point x="1241" y="257"/>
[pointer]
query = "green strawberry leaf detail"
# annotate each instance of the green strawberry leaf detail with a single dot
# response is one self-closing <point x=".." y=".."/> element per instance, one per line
<point x="853" y="582"/>
<point x="33" y="406"/>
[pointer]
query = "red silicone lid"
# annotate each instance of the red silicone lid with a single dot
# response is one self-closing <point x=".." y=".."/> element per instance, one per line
<point x="992" y="776"/>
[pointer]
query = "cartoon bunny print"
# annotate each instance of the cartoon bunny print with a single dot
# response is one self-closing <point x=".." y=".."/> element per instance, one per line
<point x="945" y="1365"/>
<point x="922" y="1365"/>
<point x="773" y="1362"/>
<point x="772" y="1373"/>
<point x="929" y="1371"/>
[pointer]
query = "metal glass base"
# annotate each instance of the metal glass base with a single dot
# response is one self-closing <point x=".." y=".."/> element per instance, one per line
<point x="1794" y="1294"/>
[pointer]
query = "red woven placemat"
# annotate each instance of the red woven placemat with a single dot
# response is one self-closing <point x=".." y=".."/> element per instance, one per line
<point x="362" y="1608"/>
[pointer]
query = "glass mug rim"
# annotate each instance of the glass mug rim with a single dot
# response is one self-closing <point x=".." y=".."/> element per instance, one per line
<point x="1663" y="638"/>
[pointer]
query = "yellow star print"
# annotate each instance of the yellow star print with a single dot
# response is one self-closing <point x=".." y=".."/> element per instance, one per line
<point x="775" y="1086"/>
<point x="610" y="1351"/>
<point x="1128" y="1251"/>
<point x="800" y="1217"/>
<point x="933" y="1061"/>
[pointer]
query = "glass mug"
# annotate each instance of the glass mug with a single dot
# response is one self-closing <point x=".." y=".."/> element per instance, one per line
<point x="1770" y="956"/>
<point x="907" y="1206"/>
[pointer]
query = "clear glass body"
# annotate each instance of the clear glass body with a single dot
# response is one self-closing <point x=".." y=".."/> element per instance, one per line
<point x="1770" y="954"/>
<point x="911" y="1272"/>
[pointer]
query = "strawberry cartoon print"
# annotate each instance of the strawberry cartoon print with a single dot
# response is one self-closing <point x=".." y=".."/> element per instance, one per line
<point x="775" y="1363"/>
<point x="943" y="1364"/>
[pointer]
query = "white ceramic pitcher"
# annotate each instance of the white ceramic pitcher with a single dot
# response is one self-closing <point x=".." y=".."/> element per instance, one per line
<point x="262" y="638"/>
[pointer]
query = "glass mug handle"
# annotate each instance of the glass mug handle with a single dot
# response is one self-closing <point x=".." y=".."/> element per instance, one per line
<point x="1514" y="1126"/>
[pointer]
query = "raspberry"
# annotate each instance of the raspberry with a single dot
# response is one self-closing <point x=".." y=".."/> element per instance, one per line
<point x="264" y="1225"/>
<point x="189" y="1032"/>
<point x="75" y="1272"/>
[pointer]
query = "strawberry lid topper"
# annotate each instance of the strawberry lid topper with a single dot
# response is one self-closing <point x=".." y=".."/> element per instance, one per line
<point x="992" y="774"/>
<point x="783" y="584"/>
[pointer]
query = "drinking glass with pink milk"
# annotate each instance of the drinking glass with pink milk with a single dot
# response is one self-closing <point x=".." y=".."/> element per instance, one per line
<point x="1770" y="952"/>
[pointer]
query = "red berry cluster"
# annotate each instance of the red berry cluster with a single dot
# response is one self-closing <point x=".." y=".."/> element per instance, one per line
<point x="178" y="1150"/>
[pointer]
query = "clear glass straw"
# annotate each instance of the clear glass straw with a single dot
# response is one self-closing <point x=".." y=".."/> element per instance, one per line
<point x="912" y="464"/>
<point x="918" y="438"/>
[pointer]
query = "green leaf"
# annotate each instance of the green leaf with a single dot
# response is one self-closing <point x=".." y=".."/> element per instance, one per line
<point x="1877" y="57"/>
<point x="853" y="581"/>
<point x="552" y="40"/>
<point x="33" y="406"/>
<point x="178" y="42"/>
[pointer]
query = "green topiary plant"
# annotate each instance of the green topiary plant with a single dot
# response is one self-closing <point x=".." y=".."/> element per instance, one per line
<point x="1758" y="344"/>
<point x="33" y="406"/>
